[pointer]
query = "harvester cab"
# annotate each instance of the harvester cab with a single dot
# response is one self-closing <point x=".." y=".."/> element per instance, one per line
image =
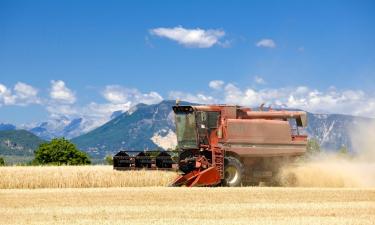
<point x="200" y="159"/>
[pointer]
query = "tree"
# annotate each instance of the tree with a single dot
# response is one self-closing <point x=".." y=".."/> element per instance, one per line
<point x="60" y="151"/>
<point x="109" y="159"/>
<point x="313" y="147"/>
<point x="2" y="161"/>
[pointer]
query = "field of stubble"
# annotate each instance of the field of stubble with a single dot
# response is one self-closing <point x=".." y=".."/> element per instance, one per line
<point x="163" y="205"/>
<point x="99" y="195"/>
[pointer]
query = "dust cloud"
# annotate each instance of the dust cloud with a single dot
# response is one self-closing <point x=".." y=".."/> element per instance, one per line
<point x="335" y="170"/>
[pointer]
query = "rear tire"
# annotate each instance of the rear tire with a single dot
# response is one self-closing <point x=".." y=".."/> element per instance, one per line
<point x="233" y="172"/>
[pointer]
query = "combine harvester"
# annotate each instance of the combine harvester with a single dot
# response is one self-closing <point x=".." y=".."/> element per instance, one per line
<point x="226" y="145"/>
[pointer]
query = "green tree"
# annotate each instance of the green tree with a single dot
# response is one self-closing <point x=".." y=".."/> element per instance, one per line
<point x="60" y="151"/>
<point x="313" y="147"/>
<point x="109" y="159"/>
<point x="2" y="161"/>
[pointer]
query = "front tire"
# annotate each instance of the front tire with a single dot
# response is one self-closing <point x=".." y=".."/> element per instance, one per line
<point x="233" y="172"/>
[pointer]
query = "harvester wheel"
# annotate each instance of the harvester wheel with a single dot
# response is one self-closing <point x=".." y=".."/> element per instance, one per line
<point x="233" y="172"/>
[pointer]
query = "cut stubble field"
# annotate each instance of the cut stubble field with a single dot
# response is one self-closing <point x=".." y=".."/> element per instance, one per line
<point x="165" y="205"/>
<point x="99" y="195"/>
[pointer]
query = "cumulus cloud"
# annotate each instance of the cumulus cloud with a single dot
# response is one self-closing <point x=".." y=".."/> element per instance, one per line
<point x="57" y="110"/>
<point x="22" y="94"/>
<point x="216" y="84"/>
<point x="114" y="94"/>
<point x="26" y="94"/>
<point x="194" y="98"/>
<point x="118" y="94"/>
<point x="266" y="43"/>
<point x="194" y="38"/>
<point x="6" y="97"/>
<point x="60" y="93"/>
<point x="24" y="90"/>
<point x="259" y="80"/>
<point x="300" y="97"/>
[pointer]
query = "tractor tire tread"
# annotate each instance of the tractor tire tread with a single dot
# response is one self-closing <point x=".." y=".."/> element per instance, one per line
<point x="229" y="160"/>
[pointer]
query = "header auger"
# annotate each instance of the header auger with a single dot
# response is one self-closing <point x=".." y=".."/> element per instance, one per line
<point x="228" y="145"/>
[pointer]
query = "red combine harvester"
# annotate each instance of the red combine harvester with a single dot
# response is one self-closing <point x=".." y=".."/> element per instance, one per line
<point x="227" y="145"/>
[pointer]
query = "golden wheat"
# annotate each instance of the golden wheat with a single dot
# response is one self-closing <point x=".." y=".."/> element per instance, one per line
<point x="79" y="177"/>
<point x="163" y="205"/>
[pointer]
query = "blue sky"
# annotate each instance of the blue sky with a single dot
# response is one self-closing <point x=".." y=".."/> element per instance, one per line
<point x="76" y="58"/>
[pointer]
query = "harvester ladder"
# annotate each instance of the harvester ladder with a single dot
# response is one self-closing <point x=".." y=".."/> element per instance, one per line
<point x="219" y="161"/>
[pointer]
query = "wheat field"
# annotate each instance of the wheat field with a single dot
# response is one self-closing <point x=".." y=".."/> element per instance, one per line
<point x="79" y="177"/>
<point x="99" y="195"/>
<point x="164" y="205"/>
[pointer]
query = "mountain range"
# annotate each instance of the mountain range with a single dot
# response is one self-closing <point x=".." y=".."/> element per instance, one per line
<point x="152" y="127"/>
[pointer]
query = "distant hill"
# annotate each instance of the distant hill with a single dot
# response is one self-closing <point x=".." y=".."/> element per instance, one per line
<point x="152" y="126"/>
<point x="18" y="143"/>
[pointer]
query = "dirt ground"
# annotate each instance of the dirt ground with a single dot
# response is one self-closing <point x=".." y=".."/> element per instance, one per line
<point x="162" y="205"/>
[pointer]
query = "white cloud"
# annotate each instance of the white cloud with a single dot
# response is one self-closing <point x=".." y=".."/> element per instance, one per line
<point x="216" y="84"/>
<point x="26" y="94"/>
<point x="24" y="90"/>
<point x="22" y="95"/>
<point x="114" y="94"/>
<point x="195" y="98"/>
<point x="57" y="110"/>
<point x="6" y="97"/>
<point x="59" y="92"/>
<point x="194" y="38"/>
<point x="259" y="80"/>
<point x="302" y="90"/>
<point x="266" y="43"/>
<point x="118" y="94"/>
